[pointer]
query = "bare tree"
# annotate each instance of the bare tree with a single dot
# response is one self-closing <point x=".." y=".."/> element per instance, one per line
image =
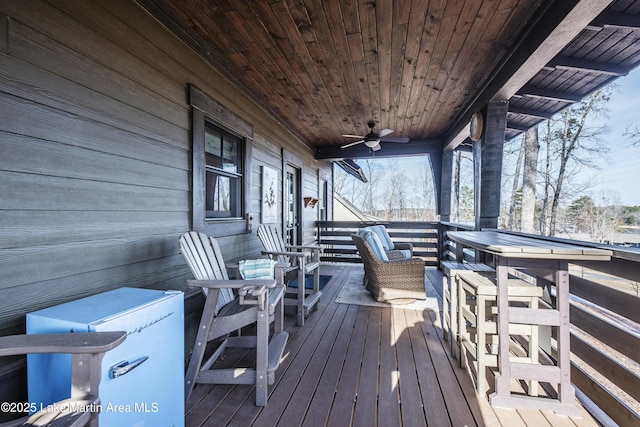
<point x="546" y="173"/>
<point x="467" y="212"/>
<point x="427" y="191"/>
<point x="455" y="202"/>
<point x="396" y="196"/>
<point x="529" y="176"/>
<point x="374" y="172"/>
<point x="515" y="186"/>
<point x="633" y="133"/>
<point x="575" y="144"/>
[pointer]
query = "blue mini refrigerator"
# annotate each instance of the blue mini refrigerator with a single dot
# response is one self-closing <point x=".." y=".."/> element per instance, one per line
<point x="152" y="393"/>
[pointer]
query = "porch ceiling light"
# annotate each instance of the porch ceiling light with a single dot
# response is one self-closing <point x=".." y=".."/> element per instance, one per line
<point x="371" y="142"/>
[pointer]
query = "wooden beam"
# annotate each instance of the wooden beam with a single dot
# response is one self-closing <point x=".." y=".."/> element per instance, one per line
<point x="518" y="128"/>
<point x="577" y="64"/>
<point x="388" y="149"/>
<point x="571" y="17"/>
<point x="556" y="95"/>
<point x="616" y="20"/>
<point x="530" y="112"/>
<point x="549" y="32"/>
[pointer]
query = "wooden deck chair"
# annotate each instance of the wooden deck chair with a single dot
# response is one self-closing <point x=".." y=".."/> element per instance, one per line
<point x="225" y="311"/>
<point x="300" y="261"/>
<point x="87" y="351"/>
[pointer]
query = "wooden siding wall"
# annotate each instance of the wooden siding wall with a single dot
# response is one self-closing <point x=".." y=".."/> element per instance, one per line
<point x="95" y="157"/>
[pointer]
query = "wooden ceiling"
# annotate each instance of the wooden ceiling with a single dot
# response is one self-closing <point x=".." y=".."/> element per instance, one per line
<point x="420" y="67"/>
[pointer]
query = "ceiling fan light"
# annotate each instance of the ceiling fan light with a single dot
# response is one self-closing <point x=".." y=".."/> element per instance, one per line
<point x="371" y="143"/>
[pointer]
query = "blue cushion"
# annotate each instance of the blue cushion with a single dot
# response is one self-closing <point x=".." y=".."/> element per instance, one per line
<point x="376" y="245"/>
<point x="254" y="269"/>
<point x="383" y="235"/>
<point x="361" y="231"/>
<point x="406" y="253"/>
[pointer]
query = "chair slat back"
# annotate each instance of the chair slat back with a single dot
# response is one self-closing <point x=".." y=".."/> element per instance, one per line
<point x="204" y="259"/>
<point x="273" y="241"/>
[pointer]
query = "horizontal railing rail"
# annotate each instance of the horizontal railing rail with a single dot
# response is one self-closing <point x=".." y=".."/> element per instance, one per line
<point x="605" y="320"/>
<point x="335" y="237"/>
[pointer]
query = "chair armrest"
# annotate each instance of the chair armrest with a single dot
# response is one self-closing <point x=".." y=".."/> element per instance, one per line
<point x="231" y="284"/>
<point x="87" y="350"/>
<point x="292" y="254"/>
<point x="77" y="343"/>
<point x="401" y="246"/>
<point x="306" y="247"/>
<point x="413" y="260"/>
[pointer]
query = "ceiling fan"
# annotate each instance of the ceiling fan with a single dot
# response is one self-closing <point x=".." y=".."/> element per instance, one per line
<point x="373" y="139"/>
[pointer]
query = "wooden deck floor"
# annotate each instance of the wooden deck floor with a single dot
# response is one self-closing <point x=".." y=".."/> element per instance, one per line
<point x="353" y="365"/>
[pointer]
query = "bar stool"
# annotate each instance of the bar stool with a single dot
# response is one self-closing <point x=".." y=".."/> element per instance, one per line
<point x="477" y="310"/>
<point x="450" y="269"/>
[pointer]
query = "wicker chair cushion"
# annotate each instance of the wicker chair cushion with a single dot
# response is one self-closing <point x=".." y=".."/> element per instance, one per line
<point x="384" y="237"/>
<point x="374" y="242"/>
<point x="406" y="253"/>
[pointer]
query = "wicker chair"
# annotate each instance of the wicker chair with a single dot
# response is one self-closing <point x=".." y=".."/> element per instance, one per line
<point x="395" y="279"/>
<point x="394" y="250"/>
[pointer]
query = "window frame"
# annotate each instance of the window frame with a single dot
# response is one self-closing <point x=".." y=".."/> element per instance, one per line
<point x="206" y="109"/>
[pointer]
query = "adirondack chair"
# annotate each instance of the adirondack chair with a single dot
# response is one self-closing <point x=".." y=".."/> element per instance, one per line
<point x="300" y="260"/>
<point x="257" y="302"/>
<point x="87" y="351"/>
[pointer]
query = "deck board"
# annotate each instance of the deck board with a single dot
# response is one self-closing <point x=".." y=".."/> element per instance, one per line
<point x="342" y="406"/>
<point x="352" y="365"/>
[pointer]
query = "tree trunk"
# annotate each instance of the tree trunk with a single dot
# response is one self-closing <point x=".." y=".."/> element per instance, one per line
<point x="547" y="182"/>
<point x="455" y="203"/>
<point x="516" y="184"/>
<point x="528" y="209"/>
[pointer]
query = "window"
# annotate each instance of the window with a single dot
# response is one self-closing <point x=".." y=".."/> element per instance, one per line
<point x="223" y="177"/>
<point x="221" y="167"/>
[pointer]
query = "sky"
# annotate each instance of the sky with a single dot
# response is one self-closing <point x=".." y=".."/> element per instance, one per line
<point x="622" y="173"/>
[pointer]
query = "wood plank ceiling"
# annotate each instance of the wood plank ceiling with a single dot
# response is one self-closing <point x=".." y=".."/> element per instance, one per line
<point x="326" y="68"/>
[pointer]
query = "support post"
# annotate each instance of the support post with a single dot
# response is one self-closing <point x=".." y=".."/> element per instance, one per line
<point x="487" y="161"/>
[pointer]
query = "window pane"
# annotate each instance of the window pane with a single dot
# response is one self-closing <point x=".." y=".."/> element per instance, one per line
<point x="230" y="155"/>
<point x="213" y="147"/>
<point x="222" y="196"/>
<point x="218" y="195"/>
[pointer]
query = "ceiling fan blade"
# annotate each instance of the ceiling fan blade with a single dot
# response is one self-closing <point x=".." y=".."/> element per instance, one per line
<point x="384" y="132"/>
<point x="353" y="143"/>
<point x="376" y="147"/>
<point x="353" y="136"/>
<point x="395" y="139"/>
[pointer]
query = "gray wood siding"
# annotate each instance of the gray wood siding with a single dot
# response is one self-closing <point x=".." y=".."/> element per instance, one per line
<point x="95" y="157"/>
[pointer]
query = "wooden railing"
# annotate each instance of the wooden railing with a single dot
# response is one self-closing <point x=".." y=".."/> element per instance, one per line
<point x="335" y="236"/>
<point x="446" y="248"/>
<point x="605" y="333"/>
